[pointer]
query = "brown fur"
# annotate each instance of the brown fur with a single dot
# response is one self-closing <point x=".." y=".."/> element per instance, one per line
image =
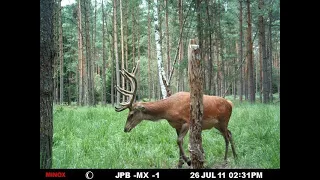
<point x="176" y="110"/>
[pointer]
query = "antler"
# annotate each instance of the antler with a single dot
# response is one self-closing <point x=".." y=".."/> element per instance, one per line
<point x="131" y="94"/>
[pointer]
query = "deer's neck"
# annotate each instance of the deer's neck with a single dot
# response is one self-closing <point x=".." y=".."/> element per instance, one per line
<point x="156" y="110"/>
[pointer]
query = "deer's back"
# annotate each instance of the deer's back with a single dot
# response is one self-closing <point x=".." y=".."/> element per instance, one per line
<point x="217" y="110"/>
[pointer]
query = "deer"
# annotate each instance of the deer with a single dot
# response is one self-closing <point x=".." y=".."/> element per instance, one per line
<point x="176" y="110"/>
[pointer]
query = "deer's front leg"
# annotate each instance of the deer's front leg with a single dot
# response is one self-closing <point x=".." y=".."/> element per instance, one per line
<point x="181" y="134"/>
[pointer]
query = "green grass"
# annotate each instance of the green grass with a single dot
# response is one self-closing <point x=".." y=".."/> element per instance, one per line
<point x="93" y="137"/>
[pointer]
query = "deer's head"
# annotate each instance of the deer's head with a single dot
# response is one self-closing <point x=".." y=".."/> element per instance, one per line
<point x="136" y="110"/>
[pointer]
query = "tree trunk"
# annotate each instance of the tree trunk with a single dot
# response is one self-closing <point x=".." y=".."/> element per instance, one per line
<point x="104" y="83"/>
<point x="111" y="56"/>
<point x="257" y="72"/>
<point x="260" y="70"/>
<point x="69" y="87"/>
<point x="278" y="72"/>
<point x="84" y="69"/>
<point x="125" y="33"/>
<point x="80" y="55"/>
<point x="162" y="75"/>
<point x="94" y="59"/>
<point x="88" y="54"/>
<point x="116" y="48"/>
<point x="77" y="84"/>
<point x="168" y="40"/>
<point x="240" y="51"/>
<point x="216" y="37"/>
<point x="270" y="58"/>
<point x="264" y="56"/>
<point x="60" y="52"/>
<point x="122" y="49"/>
<point x="196" y="104"/>
<point x="218" y="71"/>
<point x="220" y="51"/>
<point x="210" y="57"/>
<point x="250" y="56"/>
<point x="181" y="70"/>
<point x="133" y="37"/>
<point x="126" y="39"/>
<point x="175" y="58"/>
<point x="55" y="20"/>
<point x="246" y="73"/>
<point x="46" y="82"/>
<point x="149" y="51"/>
<point x="95" y="39"/>
<point x="279" y="76"/>
<point x="55" y="80"/>
<point x="235" y="73"/>
<point x="139" y="92"/>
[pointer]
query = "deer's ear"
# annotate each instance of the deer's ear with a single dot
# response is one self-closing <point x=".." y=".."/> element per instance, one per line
<point x="140" y="108"/>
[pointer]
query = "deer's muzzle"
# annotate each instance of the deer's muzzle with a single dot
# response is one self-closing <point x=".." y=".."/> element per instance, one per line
<point x="127" y="129"/>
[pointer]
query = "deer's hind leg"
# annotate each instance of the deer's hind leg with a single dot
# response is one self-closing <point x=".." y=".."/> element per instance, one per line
<point x="232" y="144"/>
<point x="181" y="134"/>
<point x="228" y="138"/>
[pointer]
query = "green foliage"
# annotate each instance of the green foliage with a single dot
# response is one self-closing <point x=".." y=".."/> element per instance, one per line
<point x="87" y="137"/>
<point x="224" y="29"/>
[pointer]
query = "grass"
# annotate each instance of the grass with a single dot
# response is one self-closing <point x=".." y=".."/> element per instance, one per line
<point x="93" y="137"/>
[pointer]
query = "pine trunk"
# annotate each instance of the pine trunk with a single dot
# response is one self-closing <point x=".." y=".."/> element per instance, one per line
<point x="264" y="56"/>
<point x="94" y="41"/>
<point x="60" y="52"/>
<point x="88" y="54"/>
<point x="46" y="82"/>
<point x="69" y="87"/>
<point x="180" y="78"/>
<point x="240" y="52"/>
<point x="104" y="83"/>
<point x="149" y="52"/>
<point x="210" y="55"/>
<point x="115" y="45"/>
<point x="111" y="55"/>
<point x="260" y="70"/>
<point x="250" y="56"/>
<point x="139" y="92"/>
<point x="133" y="36"/>
<point x="126" y="38"/>
<point x="122" y="50"/>
<point x="270" y="58"/>
<point x="80" y="55"/>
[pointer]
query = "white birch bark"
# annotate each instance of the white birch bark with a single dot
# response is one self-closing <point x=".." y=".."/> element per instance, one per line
<point x="162" y="75"/>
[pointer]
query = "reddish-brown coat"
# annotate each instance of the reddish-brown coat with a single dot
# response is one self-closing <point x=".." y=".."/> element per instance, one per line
<point x="176" y="109"/>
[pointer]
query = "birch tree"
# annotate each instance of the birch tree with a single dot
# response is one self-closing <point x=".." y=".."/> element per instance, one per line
<point x="162" y="74"/>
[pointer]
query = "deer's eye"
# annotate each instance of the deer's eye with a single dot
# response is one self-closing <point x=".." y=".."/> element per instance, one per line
<point x="130" y="115"/>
